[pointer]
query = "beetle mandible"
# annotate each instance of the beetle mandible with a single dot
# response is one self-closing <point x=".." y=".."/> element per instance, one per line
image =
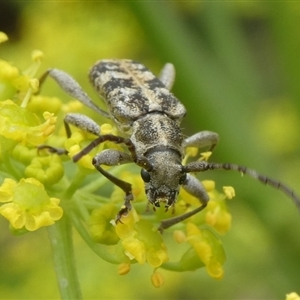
<point x="148" y="115"/>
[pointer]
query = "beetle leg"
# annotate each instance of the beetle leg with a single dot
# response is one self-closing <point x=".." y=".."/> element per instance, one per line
<point x="194" y="187"/>
<point x="72" y="88"/>
<point x="78" y="120"/>
<point x="51" y="149"/>
<point x="82" y="122"/>
<point x="112" y="158"/>
<point x="167" y="75"/>
<point x="202" y="139"/>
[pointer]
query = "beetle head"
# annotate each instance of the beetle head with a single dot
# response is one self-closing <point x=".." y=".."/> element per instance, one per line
<point x="163" y="179"/>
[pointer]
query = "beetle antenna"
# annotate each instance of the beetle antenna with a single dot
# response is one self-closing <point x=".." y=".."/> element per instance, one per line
<point x="202" y="166"/>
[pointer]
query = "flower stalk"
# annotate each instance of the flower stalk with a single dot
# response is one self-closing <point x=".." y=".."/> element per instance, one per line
<point x="60" y="236"/>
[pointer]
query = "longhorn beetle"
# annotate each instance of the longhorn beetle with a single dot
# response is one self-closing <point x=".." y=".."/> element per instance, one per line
<point x="149" y="116"/>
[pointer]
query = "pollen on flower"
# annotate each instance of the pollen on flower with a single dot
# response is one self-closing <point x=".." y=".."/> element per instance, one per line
<point x="123" y="268"/>
<point x="157" y="279"/>
<point x="49" y="125"/>
<point x="179" y="236"/>
<point x="34" y="84"/>
<point x="37" y="55"/>
<point x="229" y="191"/>
<point x="218" y="217"/>
<point x="29" y="205"/>
<point x="190" y="152"/>
<point x="205" y="155"/>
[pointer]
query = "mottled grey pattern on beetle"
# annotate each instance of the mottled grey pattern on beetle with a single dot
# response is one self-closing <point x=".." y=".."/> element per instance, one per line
<point x="148" y="117"/>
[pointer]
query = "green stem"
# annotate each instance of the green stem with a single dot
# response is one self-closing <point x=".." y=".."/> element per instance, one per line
<point x="9" y="168"/>
<point x="100" y="250"/>
<point x="76" y="182"/>
<point x="60" y="236"/>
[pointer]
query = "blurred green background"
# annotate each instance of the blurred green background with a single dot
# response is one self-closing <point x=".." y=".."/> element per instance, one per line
<point x="238" y="70"/>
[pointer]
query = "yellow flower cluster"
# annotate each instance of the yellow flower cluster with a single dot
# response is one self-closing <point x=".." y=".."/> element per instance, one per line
<point x="35" y="183"/>
<point x="138" y="238"/>
<point x="22" y="126"/>
<point x="141" y="241"/>
<point x="26" y="203"/>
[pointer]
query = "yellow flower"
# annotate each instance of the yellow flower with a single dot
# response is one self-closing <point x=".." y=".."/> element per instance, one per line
<point x="101" y="228"/>
<point x="205" y="155"/>
<point x="138" y="189"/>
<point x="27" y="205"/>
<point x="73" y="146"/>
<point x="24" y="154"/>
<point x="48" y="169"/>
<point x="80" y="139"/>
<point x="8" y="73"/>
<point x="229" y="192"/>
<point x="190" y="152"/>
<point x="20" y="125"/>
<point x="292" y="296"/>
<point x="108" y="129"/>
<point x="39" y="104"/>
<point x="141" y="241"/>
<point x="72" y="106"/>
<point x="208" y="249"/>
<point x="216" y="213"/>
<point x="217" y="216"/>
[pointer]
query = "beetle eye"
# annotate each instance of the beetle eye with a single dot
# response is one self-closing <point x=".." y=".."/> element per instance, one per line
<point x="182" y="179"/>
<point x="145" y="175"/>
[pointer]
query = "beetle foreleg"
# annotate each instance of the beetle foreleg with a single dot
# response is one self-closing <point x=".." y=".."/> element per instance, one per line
<point x="78" y="120"/>
<point x="103" y="138"/>
<point x="196" y="189"/>
<point x="112" y="158"/>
